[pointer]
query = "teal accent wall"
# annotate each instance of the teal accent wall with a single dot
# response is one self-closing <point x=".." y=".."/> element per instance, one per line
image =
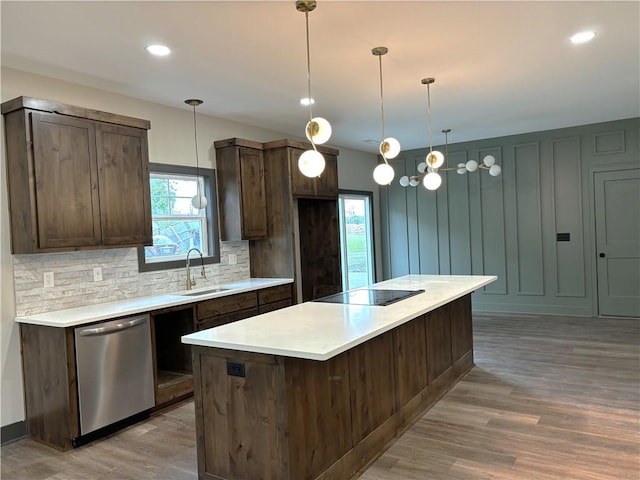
<point x="507" y="225"/>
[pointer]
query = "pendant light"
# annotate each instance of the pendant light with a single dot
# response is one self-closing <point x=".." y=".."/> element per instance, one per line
<point x="434" y="160"/>
<point x="427" y="170"/>
<point x="318" y="129"/>
<point x="199" y="201"/>
<point x="389" y="147"/>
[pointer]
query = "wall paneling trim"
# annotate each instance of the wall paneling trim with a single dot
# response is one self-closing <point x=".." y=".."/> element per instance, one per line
<point x="533" y="226"/>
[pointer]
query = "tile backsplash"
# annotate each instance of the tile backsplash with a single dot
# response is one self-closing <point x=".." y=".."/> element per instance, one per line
<point x="74" y="284"/>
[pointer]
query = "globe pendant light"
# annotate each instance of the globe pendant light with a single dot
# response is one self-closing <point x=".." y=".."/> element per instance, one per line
<point x="318" y="129"/>
<point x="434" y="160"/>
<point x="389" y="147"/>
<point x="199" y="201"/>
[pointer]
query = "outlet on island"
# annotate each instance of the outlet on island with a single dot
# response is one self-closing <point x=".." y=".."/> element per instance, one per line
<point x="48" y="280"/>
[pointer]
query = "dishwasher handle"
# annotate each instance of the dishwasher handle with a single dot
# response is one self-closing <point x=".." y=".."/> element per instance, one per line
<point x="118" y="327"/>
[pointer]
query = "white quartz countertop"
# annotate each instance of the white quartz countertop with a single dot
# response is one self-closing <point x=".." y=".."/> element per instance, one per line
<point x="103" y="311"/>
<point x="320" y="331"/>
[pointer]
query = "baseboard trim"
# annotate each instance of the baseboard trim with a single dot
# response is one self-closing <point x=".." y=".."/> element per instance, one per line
<point x="11" y="433"/>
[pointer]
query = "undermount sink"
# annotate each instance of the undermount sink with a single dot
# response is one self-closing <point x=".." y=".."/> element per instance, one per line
<point x="204" y="292"/>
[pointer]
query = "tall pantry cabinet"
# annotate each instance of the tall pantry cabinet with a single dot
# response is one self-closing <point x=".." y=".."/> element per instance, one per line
<point x="303" y="236"/>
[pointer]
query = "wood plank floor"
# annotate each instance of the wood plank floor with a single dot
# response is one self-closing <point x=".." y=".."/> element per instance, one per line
<point x="549" y="398"/>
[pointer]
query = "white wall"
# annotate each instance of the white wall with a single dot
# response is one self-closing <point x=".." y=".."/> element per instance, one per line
<point x="170" y="141"/>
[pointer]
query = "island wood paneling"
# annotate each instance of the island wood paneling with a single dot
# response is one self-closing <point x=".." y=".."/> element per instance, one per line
<point x="461" y="328"/>
<point x="296" y="419"/>
<point x="410" y="351"/>
<point x="372" y="378"/>
<point x="438" y="327"/>
<point x="240" y="421"/>
<point x="318" y="409"/>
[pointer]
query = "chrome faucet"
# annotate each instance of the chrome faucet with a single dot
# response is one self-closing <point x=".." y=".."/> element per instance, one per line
<point x="191" y="281"/>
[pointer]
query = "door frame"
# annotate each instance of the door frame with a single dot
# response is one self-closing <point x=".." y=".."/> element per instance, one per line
<point x="364" y="193"/>
<point x="591" y="245"/>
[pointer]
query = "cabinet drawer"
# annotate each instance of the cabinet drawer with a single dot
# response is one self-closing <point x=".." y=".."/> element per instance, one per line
<point x="274" y="294"/>
<point x="210" y="322"/>
<point x="269" y="307"/>
<point x="223" y="305"/>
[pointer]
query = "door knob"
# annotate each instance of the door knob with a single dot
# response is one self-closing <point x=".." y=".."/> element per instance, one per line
<point x="602" y="255"/>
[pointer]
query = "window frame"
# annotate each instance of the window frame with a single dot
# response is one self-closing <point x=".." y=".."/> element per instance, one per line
<point x="213" y="241"/>
<point x="342" y="227"/>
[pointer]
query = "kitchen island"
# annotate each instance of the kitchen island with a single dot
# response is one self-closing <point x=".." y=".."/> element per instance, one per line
<point x="317" y="390"/>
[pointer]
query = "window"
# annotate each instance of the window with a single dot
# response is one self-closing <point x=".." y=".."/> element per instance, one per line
<point x="177" y="226"/>
<point x="356" y="237"/>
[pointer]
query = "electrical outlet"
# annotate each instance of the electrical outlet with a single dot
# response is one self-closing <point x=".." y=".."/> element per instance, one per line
<point x="235" y="369"/>
<point x="233" y="259"/>
<point x="97" y="274"/>
<point x="48" y="280"/>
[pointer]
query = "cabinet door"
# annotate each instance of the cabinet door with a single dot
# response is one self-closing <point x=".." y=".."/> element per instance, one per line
<point x="123" y="171"/>
<point x="301" y="185"/>
<point x="66" y="196"/>
<point x="438" y="342"/>
<point x="253" y="206"/>
<point x="327" y="183"/>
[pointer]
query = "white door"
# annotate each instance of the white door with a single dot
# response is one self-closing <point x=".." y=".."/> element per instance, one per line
<point x="617" y="204"/>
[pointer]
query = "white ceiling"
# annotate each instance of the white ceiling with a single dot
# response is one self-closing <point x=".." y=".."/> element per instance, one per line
<point x="500" y="67"/>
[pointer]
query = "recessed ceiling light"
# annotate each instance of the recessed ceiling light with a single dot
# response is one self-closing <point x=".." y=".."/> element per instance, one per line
<point x="158" y="50"/>
<point x="306" y="101"/>
<point x="583" y="37"/>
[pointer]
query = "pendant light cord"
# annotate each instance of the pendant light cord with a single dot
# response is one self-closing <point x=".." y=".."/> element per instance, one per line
<point x="381" y="100"/>
<point x="195" y="140"/>
<point x="306" y="18"/>
<point x="429" y="117"/>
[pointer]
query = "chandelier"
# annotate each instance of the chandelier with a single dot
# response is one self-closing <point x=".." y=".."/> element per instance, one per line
<point x="429" y="170"/>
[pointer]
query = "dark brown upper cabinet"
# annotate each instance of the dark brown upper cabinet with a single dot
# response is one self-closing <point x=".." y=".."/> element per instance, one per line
<point x="325" y="186"/>
<point x="77" y="179"/>
<point x="241" y="191"/>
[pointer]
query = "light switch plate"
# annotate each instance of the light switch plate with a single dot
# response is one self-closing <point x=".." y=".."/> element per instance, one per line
<point x="233" y="259"/>
<point x="97" y="274"/>
<point x="48" y="280"/>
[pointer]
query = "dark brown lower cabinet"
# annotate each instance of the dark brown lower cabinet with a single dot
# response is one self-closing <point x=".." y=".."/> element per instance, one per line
<point x="270" y="417"/>
<point x="172" y="366"/>
<point x="49" y="376"/>
<point x="49" y="362"/>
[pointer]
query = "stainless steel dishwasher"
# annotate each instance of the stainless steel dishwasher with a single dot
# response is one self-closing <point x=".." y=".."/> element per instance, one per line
<point x="115" y="373"/>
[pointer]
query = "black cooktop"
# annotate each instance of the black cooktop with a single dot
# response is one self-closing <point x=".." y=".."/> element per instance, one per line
<point x="366" y="296"/>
